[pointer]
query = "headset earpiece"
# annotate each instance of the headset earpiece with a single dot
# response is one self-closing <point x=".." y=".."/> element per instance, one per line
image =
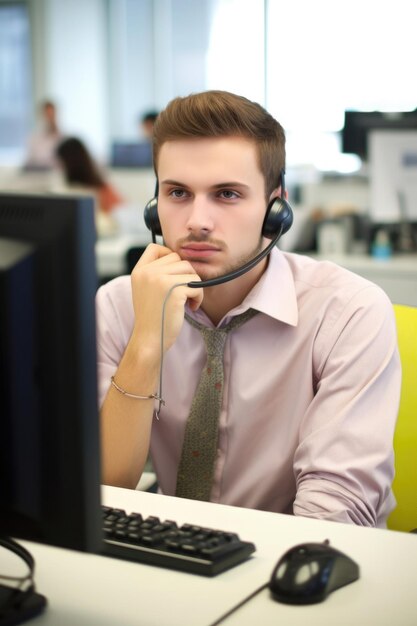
<point x="278" y="218"/>
<point x="150" y="215"/>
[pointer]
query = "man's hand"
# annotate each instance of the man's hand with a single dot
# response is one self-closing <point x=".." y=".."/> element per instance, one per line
<point x="156" y="272"/>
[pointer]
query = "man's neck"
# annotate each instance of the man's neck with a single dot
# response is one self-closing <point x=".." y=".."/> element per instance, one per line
<point x="221" y="299"/>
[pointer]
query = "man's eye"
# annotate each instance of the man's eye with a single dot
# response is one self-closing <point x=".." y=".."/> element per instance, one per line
<point x="227" y="194"/>
<point x="177" y="193"/>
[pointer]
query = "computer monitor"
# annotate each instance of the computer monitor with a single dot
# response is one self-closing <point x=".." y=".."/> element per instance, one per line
<point x="393" y="177"/>
<point x="131" y="154"/>
<point x="358" y="125"/>
<point x="49" y="433"/>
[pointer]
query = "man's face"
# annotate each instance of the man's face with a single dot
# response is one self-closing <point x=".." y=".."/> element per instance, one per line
<point x="49" y="113"/>
<point x="211" y="202"/>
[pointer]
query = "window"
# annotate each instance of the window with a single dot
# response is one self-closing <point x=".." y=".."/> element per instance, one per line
<point x="15" y="80"/>
<point x="236" y="48"/>
<point x="306" y="62"/>
<point x="324" y="57"/>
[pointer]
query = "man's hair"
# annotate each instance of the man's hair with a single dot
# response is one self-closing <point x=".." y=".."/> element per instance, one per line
<point x="149" y="116"/>
<point x="47" y="104"/>
<point x="78" y="164"/>
<point x="223" y="114"/>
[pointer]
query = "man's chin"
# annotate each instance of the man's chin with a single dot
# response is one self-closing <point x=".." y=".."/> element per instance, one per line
<point x="205" y="271"/>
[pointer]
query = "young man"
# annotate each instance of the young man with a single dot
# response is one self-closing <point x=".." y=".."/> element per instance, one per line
<point x="311" y="382"/>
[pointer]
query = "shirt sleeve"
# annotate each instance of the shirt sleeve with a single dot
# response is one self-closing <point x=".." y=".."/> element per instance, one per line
<point x="344" y="464"/>
<point x="114" y="322"/>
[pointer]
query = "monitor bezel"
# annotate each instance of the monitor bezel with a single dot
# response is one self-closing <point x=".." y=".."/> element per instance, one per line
<point x="65" y="507"/>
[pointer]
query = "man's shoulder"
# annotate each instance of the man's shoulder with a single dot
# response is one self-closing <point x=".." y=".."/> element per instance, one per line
<point x="321" y="272"/>
<point x="326" y="277"/>
<point x="116" y="290"/>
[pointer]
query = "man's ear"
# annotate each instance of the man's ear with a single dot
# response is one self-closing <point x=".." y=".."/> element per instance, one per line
<point x="276" y="193"/>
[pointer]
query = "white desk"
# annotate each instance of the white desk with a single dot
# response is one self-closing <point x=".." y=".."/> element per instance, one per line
<point x="111" y="252"/>
<point x="397" y="275"/>
<point x="89" y="590"/>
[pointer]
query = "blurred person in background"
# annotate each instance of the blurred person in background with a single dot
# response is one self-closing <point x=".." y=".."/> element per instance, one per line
<point x="43" y="142"/>
<point x="147" y="122"/>
<point x="83" y="174"/>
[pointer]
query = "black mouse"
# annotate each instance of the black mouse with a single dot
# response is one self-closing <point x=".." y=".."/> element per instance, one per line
<point x="308" y="572"/>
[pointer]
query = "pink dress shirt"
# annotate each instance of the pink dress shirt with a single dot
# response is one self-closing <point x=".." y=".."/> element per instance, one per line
<point x="310" y="399"/>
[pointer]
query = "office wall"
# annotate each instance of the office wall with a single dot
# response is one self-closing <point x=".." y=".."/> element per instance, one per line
<point x="131" y="65"/>
<point x="69" y="63"/>
<point x="157" y="50"/>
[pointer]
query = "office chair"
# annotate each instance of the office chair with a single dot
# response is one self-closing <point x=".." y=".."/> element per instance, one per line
<point x="404" y="516"/>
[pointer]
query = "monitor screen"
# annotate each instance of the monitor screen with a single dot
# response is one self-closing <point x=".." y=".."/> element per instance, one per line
<point x="49" y="433"/>
<point x="131" y="154"/>
<point x="358" y="125"/>
<point x="393" y="177"/>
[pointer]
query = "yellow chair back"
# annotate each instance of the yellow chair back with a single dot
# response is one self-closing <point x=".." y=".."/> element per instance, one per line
<point x="404" y="516"/>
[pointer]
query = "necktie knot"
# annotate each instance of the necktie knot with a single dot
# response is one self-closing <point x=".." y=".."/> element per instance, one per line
<point x="213" y="335"/>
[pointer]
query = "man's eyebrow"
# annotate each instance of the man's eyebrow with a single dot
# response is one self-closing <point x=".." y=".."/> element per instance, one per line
<point x="169" y="181"/>
<point x="233" y="183"/>
<point x="177" y="183"/>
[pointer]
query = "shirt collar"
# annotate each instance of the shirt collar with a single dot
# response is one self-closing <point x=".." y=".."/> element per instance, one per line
<point x="274" y="294"/>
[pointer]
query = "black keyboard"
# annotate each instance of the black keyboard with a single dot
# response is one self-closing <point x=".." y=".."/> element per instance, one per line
<point x="189" y="548"/>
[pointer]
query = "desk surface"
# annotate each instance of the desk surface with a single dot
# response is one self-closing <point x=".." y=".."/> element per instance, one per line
<point x="88" y="590"/>
<point x="397" y="264"/>
<point x="111" y="252"/>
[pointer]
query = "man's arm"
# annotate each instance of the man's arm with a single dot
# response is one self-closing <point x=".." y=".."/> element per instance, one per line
<point x="344" y="462"/>
<point x="126" y="422"/>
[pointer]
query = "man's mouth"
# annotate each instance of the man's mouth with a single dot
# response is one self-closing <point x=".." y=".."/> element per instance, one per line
<point x="198" y="250"/>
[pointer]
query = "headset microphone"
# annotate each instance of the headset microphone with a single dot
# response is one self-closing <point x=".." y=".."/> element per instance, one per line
<point x="278" y="220"/>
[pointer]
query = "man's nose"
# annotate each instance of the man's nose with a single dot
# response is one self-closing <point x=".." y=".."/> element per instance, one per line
<point x="200" y="217"/>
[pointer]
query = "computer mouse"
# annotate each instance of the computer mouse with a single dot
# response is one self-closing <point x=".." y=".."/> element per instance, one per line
<point x="307" y="573"/>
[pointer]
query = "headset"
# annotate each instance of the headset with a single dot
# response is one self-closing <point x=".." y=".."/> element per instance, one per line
<point x="278" y="220"/>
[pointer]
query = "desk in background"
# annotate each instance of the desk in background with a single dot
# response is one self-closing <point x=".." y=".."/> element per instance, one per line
<point x="397" y="275"/>
<point x="90" y="590"/>
<point x="111" y="253"/>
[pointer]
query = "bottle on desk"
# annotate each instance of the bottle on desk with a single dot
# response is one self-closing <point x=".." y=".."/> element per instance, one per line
<point x="381" y="246"/>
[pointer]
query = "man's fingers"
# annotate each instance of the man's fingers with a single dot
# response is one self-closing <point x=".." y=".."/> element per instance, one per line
<point x="194" y="301"/>
<point x="195" y="298"/>
<point x="153" y="252"/>
<point x="159" y="260"/>
<point x="157" y="257"/>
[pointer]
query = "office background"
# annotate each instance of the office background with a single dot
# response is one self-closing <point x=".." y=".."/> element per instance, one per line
<point x="107" y="61"/>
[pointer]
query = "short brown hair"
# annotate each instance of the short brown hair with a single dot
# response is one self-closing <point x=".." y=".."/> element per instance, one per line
<point x="224" y="114"/>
